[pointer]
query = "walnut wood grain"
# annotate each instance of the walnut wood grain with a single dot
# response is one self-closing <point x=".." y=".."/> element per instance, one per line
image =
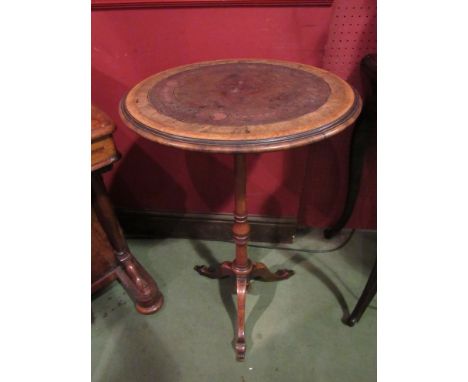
<point x="103" y="151"/>
<point x="235" y="106"/>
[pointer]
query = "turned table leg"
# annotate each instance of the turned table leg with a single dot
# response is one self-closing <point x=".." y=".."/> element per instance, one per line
<point x="241" y="265"/>
<point x="242" y="268"/>
<point x="138" y="283"/>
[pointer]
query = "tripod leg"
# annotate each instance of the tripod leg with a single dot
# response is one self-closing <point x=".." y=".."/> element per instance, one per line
<point x="261" y="272"/>
<point x="220" y="271"/>
<point x="367" y="295"/>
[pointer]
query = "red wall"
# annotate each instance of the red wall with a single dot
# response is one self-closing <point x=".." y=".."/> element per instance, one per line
<point x="129" y="45"/>
<point x="352" y="34"/>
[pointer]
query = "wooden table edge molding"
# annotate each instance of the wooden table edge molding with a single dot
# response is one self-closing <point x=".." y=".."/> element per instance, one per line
<point x="303" y="134"/>
<point x="240" y="106"/>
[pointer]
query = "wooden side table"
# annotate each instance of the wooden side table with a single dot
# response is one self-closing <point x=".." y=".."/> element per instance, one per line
<point x="111" y="257"/>
<point x="239" y="107"/>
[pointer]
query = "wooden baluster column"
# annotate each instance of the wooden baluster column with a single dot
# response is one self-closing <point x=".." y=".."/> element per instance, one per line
<point x="241" y="266"/>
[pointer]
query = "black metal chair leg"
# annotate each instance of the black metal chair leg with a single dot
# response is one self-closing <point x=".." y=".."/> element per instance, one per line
<point x="365" y="125"/>
<point x="359" y="143"/>
<point x="367" y="295"/>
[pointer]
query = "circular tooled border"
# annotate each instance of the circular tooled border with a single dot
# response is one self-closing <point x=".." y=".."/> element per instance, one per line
<point x="244" y="145"/>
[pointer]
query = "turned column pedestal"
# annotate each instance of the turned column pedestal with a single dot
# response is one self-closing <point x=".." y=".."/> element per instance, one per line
<point x="242" y="268"/>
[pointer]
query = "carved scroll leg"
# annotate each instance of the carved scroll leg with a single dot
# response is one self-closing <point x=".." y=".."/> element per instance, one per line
<point x="261" y="272"/>
<point x="219" y="271"/>
<point x="242" y="283"/>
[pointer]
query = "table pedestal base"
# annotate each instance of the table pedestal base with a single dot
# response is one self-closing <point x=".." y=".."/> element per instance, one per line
<point x="259" y="272"/>
<point x="242" y="268"/>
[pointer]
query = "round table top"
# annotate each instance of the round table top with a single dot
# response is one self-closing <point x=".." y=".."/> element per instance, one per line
<point x="243" y="105"/>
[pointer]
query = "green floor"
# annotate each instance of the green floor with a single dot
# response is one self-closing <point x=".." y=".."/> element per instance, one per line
<point x="294" y="328"/>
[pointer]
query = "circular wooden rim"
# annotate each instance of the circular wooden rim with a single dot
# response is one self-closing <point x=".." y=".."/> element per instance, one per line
<point x="341" y="109"/>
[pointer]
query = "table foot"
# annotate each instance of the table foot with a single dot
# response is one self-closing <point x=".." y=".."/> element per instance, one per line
<point x="369" y="292"/>
<point x="140" y="286"/>
<point x="258" y="271"/>
<point x="261" y="272"/>
<point x="242" y="283"/>
<point x="134" y="278"/>
<point x="219" y="271"/>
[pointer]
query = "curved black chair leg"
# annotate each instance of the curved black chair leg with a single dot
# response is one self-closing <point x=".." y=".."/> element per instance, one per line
<point x="365" y="125"/>
<point x="367" y="295"/>
<point x="359" y="142"/>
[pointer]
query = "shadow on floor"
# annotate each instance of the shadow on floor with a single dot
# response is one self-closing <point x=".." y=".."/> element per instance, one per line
<point x="317" y="272"/>
<point x="317" y="268"/>
<point x="363" y="258"/>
